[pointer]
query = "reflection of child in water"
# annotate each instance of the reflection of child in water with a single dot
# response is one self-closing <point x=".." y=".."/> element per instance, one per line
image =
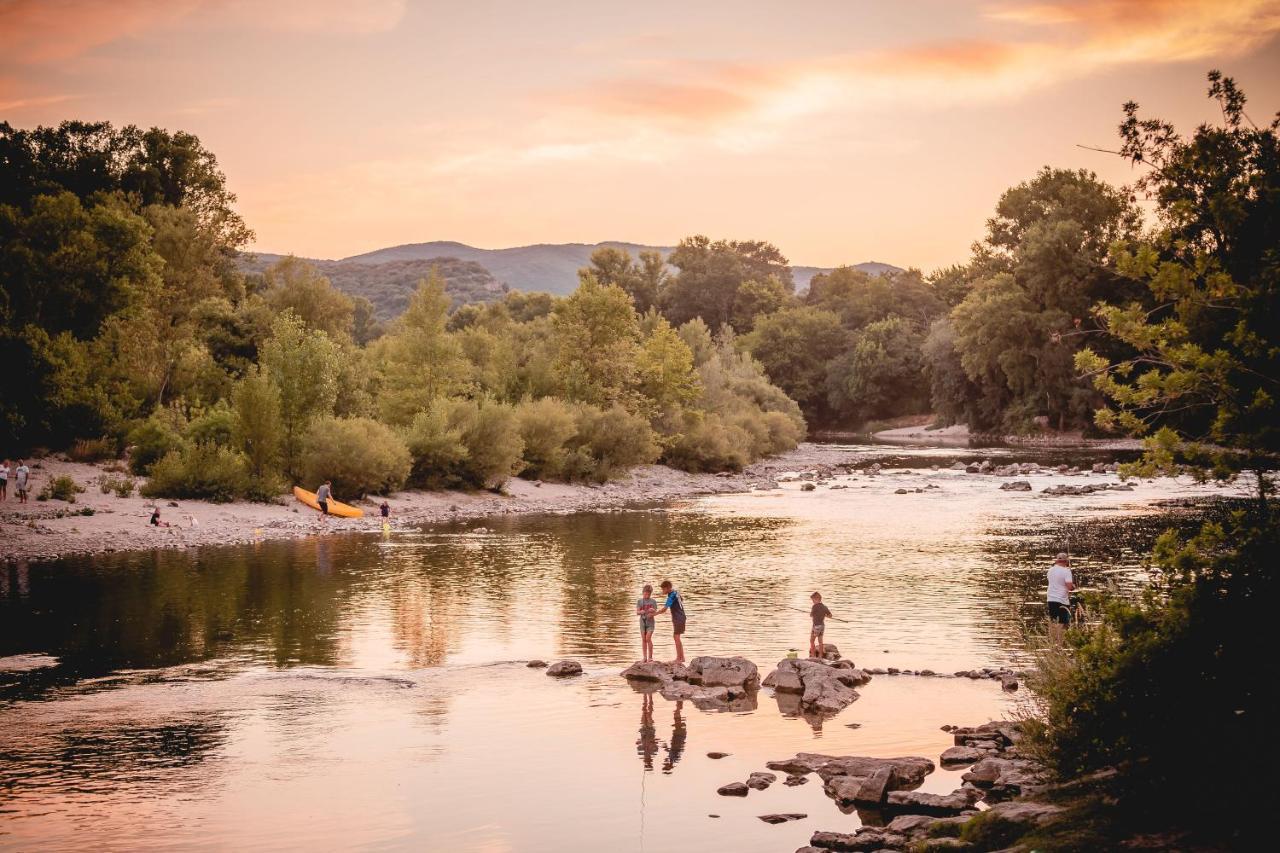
<point x="647" y="744"/>
<point x="678" y="735"/>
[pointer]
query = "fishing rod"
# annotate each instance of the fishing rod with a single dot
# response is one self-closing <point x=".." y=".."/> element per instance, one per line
<point x="801" y="610"/>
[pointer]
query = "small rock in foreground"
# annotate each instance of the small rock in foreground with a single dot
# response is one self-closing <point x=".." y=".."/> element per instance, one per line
<point x="561" y="669"/>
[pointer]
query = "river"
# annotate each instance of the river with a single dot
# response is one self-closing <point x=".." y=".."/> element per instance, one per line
<point x="370" y="690"/>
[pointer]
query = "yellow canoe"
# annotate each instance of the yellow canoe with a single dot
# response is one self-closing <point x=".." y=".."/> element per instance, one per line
<point x="335" y="507"/>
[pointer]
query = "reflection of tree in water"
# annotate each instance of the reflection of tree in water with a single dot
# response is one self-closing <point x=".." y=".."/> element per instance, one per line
<point x="110" y="756"/>
<point x="648" y="744"/>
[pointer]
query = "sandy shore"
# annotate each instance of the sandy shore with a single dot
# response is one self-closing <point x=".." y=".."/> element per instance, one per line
<point x="44" y="530"/>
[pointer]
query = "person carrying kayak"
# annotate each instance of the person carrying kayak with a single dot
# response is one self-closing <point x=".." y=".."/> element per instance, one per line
<point x="322" y="496"/>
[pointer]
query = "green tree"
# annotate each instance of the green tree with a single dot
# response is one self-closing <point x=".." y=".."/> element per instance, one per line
<point x="256" y="403"/>
<point x="794" y="346"/>
<point x="664" y="369"/>
<point x="597" y="343"/>
<point x="303" y="366"/>
<point x="359" y="455"/>
<point x="711" y="273"/>
<point x="879" y="376"/>
<point x="418" y="361"/>
<point x="294" y="285"/>
<point x="756" y="298"/>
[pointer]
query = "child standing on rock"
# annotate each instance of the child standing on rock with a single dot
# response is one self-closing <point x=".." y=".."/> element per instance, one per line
<point x="819" y="614"/>
<point x="646" y="607"/>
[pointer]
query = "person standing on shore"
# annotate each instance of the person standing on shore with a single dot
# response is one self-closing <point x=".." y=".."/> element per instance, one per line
<point x="819" y="614"/>
<point x="322" y="497"/>
<point x="4" y="480"/>
<point x="22" y="478"/>
<point x="675" y="604"/>
<point x="1061" y="585"/>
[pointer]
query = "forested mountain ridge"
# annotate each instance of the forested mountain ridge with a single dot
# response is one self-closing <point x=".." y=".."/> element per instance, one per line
<point x="550" y="267"/>
<point x="389" y="285"/>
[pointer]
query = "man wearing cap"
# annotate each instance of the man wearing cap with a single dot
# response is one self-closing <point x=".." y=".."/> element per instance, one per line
<point x="1060" y="586"/>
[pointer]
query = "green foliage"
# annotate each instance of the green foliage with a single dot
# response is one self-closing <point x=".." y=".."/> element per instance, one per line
<point x="711" y="276"/>
<point x="467" y="443"/>
<point x="665" y="377"/>
<point x="93" y="450"/>
<point x="360" y="456"/>
<point x="295" y="285"/>
<point x="122" y="487"/>
<point x="151" y="440"/>
<point x="418" y="361"/>
<point x="597" y="344"/>
<point x="303" y="367"/>
<point x="859" y="298"/>
<point x="954" y="396"/>
<point x="607" y="442"/>
<point x="794" y="346"/>
<point x="199" y="471"/>
<point x="215" y="426"/>
<point x="642" y="280"/>
<point x="546" y="426"/>
<point x="1206" y="362"/>
<point x="879" y="376"/>
<point x="61" y="488"/>
<point x="256" y="404"/>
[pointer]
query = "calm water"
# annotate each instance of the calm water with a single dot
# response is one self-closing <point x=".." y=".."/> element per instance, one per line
<point x="369" y="691"/>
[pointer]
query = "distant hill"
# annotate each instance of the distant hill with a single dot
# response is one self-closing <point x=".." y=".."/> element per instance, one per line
<point x="389" y="285"/>
<point x="550" y="267"/>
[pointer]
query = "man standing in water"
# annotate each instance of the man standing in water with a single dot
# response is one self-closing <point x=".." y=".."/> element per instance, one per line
<point x="1061" y="584"/>
<point x="676" y="605"/>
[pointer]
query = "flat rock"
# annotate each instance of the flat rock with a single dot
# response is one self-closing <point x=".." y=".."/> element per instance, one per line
<point x="733" y="789"/>
<point x="536" y="664"/>
<point x="652" y="671"/>
<point x="722" y="672"/>
<point x="782" y="818"/>
<point x="865" y="839"/>
<point x="958" y="755"/>
<point x="917" y="802"/>
<point x="1016" y="486"/>
<point x="563" y="668"/>
<point x="1025" y="812"/>
<point x="794" y="779"/>
<point x="875" y="787"/>
<point x="717" y="755"/>
<point x="909" y="771"/>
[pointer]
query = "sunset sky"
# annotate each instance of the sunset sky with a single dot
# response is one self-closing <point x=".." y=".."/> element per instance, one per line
<point x="842" y="131"/>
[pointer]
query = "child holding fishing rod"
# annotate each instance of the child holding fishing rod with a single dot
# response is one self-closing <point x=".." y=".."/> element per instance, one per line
<point x="819" y="613"/>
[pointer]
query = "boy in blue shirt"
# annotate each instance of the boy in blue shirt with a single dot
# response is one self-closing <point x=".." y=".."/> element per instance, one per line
<point x="676" y="605"/>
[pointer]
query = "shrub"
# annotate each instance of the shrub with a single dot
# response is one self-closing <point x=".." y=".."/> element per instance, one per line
<point x="150" y="441"/>
<point x="61" y="488"/>
<point x="202" y="471"/>
<point x="121" y="486"/>
<point x="608" y="441"/>
<point x="709" y="444"/>
<point x="92" y="450"/>
<point x="471" y="443"/>
<point x="360" y="455"/>
<point x="546" y="426"/>
<point x="216" y="426"/>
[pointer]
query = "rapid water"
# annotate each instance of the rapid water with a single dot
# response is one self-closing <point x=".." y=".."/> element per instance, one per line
<point x="370" y="691"/>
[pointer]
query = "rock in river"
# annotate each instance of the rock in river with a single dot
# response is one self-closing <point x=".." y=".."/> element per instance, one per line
<point x="733" y="789"/>
<point x="563" y="668"/>
<point x="916" y="802"/>
<point x="761" y="780"/>
<point x="782" y="818"/>
<point x="960" y="755"/>
<point x="536" y="664"/>
<point x="1016" y="486"/>
<point x="722" y="672"/>
<point x="825" y="688"/>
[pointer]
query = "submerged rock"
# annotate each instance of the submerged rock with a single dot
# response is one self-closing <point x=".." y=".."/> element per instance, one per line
<point x="561" y="669"/>
<point x="717" y="755"/>
<point x="1016" y="486"/>
<point x="536" y="664"/>
<point x="782" y="818"/>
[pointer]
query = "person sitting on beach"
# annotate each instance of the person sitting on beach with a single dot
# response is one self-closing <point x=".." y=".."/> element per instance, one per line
<point x="155" y="519"/>
<point x="645" y="608"/>
<point x="819" y="614"/>
<point x="322" y="497"/>
<point x="675" y="604"/>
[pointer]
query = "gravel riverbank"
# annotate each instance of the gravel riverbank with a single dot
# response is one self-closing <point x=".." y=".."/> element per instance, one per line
<point x="102" y="523"/>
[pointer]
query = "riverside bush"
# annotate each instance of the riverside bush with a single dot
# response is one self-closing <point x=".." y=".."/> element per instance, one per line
<point x="216" y="426"/>
<point x="465" y="443"/>
<point x="200" y="471"/>
<point x="150" y="441"/>
<point x="546" y="426"/>
<point x="61" y="488"/>
<point x="360" y="455"/>
<point x="121" y="486"/>
<point x="607" y="442"/>
<point x="709" y="444"/>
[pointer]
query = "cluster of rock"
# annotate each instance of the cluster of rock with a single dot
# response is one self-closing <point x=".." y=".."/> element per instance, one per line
<point x="856" y="780"/>
<point x="711" y="683"/>
<point x="1087" y="489"/>
<point x="920" y="820"/>
<point x="1008" y="678"/>
<point x="986" y="466"/>
<point x="821" y="688"/>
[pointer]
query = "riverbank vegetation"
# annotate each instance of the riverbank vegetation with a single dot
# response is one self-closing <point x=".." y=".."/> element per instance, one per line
<point x="1171" y="691"/>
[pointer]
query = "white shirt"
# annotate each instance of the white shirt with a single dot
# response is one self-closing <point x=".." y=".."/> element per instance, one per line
<point x="1059" y="577"/>
<point x="4" y="472"/>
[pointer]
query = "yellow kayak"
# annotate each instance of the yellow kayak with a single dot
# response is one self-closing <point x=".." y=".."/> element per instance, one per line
<point x="335" y="507"/>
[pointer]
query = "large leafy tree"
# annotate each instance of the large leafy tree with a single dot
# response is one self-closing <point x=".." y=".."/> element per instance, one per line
<point x="879" y="375"/>
<point x="711" y="274"/>
<point x="597" y="344"/>
<point x="794" y="345"/>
